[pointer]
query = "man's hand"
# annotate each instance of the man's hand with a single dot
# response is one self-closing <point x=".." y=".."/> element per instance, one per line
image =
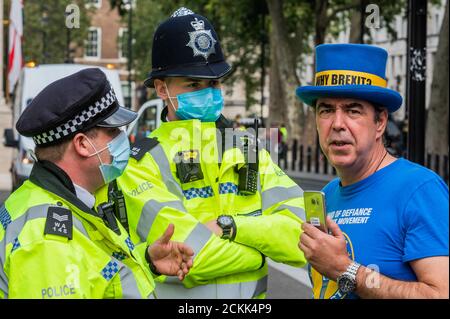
<point x="170" y="257"/>
<point x="326" y="253"/>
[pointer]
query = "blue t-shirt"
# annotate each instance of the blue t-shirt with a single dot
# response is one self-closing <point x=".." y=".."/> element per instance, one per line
<point x="397" y="215"/>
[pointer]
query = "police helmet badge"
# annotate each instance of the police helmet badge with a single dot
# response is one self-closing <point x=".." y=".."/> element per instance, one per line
<point x="181" y="12"/>
<point x="201" y="41"/>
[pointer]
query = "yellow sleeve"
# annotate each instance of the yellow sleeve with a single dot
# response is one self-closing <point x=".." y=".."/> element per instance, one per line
<point x="50" y="269"/>
<point x="153" y="202"/>
<point x="276" y="232"/>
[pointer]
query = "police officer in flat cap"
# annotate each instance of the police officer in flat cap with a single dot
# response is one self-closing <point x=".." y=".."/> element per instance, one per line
<point x="231" y="210"/>
<point x="53" y="242"/>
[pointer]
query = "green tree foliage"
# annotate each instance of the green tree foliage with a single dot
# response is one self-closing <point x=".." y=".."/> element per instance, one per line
<point x="239" y="25"/>
<point x="45" y="32"/>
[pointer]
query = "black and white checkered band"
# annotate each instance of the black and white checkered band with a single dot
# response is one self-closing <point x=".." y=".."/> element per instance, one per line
<point x="75" y="124"/>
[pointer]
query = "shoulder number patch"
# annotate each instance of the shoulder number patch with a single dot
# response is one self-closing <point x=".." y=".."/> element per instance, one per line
<point x="59" y="222"/>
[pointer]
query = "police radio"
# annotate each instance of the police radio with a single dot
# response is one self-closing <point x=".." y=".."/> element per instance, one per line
<point x="248" y="174"/>
<point x="115" y="196"/>
<point x="106" y="212"/>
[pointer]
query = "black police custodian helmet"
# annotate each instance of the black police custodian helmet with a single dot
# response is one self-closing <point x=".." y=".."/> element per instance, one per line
<point x="186" y="45"/>
<point x="73" y="104"/>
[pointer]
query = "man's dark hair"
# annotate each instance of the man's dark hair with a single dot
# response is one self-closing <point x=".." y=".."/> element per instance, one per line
<point x="378" y="110"/>
<point x="54" y="153"/>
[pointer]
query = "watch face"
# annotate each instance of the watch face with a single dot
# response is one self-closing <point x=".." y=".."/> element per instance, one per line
<point x="346" y="284"/>
<point x="225" y="220"/>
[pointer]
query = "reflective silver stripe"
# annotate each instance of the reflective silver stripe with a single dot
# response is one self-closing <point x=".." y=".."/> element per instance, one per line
<point x="149" y="213"/>
<point x="15" y="227"/>
<point x="79" y="226"/>
<point x="128" y="282"/>
<point x="259" y="184"/>
<point x="245" y="290"/>
<point x="164" y="167"/>
<point x="198" y="238"/>
<point x="297" y="211"/>
<point x="12" y="231"/>
<point x="261" y="286"/>
<point x="279" y="194"/>
<point x="3" y="282"/>
<point x="172" y="290"/>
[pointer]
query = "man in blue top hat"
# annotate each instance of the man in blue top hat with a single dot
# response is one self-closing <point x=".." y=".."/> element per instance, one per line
<point x="388" y="217"/>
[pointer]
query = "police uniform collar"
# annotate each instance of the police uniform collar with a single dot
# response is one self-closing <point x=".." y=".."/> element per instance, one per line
<point x="84" y="196"/>
<point x="52" y="178"/>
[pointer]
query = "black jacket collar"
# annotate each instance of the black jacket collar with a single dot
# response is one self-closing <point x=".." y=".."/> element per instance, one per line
<point x="52" y="178"/>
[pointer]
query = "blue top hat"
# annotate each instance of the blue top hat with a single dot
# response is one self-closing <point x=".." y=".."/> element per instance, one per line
<point x="351" y="71"/>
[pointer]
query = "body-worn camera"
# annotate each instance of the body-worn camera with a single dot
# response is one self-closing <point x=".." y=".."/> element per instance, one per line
<point x="188" y="166"/>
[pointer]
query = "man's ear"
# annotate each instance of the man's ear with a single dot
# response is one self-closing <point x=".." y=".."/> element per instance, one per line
<point x="82" y="146"/>
<point x="161" y="89"/>
<point x="382" y="123"/>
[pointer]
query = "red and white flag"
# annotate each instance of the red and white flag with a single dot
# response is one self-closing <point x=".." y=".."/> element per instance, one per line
<point x="15" y="59"/>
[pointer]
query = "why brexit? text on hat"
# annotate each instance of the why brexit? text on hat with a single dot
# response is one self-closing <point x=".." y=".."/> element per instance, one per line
<point x="351" y="71"/>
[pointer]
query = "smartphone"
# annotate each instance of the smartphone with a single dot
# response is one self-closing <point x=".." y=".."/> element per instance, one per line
<point x="315" y="209"/>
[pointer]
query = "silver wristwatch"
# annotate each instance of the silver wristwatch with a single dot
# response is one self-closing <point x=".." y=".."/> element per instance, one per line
<point x="347" y="280"/>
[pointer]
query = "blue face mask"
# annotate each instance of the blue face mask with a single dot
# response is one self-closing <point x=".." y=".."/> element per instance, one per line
<point x="119" y="149"/>
<point x="205" y="105"/>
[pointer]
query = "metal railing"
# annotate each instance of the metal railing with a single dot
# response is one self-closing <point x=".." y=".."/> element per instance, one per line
<point x="306" y="159"/>
<point x="439" y="164"/>
<point x="310" y="159"/>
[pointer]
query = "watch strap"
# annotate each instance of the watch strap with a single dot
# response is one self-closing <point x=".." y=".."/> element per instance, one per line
<point x="151" y="265"/>
<point x="229" y="231"/>
<point x="352" y="269"/>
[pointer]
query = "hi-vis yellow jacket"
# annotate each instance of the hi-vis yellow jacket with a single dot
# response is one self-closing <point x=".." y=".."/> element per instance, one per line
<point x="53" y="246"/>
<point x="268" y="222"/>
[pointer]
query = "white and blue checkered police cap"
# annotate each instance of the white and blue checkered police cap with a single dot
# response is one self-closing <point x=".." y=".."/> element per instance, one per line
<point x="72" y="104"/>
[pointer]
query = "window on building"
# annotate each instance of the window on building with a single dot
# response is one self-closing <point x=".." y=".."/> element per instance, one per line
<point x="398" y="26"/>
<point x="93" y="3"/>
<point x="430" y="63"/>
<point x="401" y="66"/>
<point x="404" y="28"/>
<point x="393" y="70"/>
<point x="436" y="23"/>
<point x="93" y="43"/>
<point x="123" y="43"/>
<point x="127" y="95"/>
